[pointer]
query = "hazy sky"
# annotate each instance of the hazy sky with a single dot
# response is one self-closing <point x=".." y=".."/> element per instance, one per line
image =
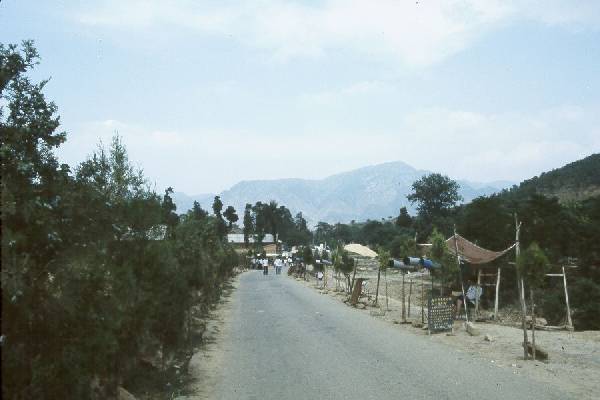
<point x="207" y="93"/>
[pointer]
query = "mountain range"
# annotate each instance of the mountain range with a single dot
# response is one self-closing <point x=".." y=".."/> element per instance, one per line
<point x="372" y="192"/>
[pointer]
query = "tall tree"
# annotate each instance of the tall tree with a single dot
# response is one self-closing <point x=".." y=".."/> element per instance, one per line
<point x="404" y="220"/>
<point x="220" y="223"/>
<point x="230" y="215"/>
<point x="260" y="224"/>
<point x="248" y="223"/>
<point x="217" y="206"/>
<point x="170" y="217"/>
<point x="435" y="196"/>
<point x="31" y="220"/>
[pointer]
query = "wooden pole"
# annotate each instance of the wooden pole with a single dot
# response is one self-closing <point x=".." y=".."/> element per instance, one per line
<point x="476" y="296"/>
<point x="353" y="275"/>
<point x="409" y="295"/>
<point x="462" y="284"/>
<point x="521" y="287"/>
<point x="387" y="307"/>
<point x="377" y="290"/>
<point x="403" y="300"/>
<point x="532" y="322"/>
<point x="422" y="299"/>
<point x="569" y="321"/>
<point x="497" y="293"/>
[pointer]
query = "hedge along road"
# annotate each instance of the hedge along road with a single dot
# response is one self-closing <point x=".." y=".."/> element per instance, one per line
<point x="287" y="341"/>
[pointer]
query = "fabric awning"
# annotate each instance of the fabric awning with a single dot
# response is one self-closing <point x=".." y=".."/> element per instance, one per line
<point x="471" y="253"/>
<point x="360" y="250"/>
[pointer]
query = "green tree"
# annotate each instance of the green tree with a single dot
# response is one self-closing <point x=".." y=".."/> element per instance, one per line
<point x="403" y="246"/>
<point x="260" y="223"/>
<point x="248" y="223"/>
<point x="440" y="254"/>
<point x="217" y="209"/>
<point x="87" y="284"/>
<point x="230" y="215"/>
<point x="170" y="217"/>
<point x="32" y="183"/>
<point x="435" y="196"/>
<point x="489" y="220"/>
<point x="217" y="206"/>
<point x="404" y="220"/>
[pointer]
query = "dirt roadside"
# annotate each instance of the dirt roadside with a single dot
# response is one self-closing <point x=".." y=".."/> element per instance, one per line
<point x="205" y="364"/>
<point x="574" y="358"/>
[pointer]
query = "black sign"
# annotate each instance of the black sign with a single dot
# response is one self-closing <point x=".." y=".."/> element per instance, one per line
<point x="440" y="314"/>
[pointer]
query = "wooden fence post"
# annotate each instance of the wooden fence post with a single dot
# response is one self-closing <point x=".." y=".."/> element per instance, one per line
<point x="497" y="293"/>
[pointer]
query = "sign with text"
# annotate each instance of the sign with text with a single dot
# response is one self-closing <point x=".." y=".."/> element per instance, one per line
<point x="440" y="314"/>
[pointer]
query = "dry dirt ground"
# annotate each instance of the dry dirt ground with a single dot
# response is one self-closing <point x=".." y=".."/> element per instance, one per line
<point x="205" y="363"/>
<point x="574" y="358"/>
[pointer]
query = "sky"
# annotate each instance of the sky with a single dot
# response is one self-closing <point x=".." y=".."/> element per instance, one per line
<point x="208" y="93"/>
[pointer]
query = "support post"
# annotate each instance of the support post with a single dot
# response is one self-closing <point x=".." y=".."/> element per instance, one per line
<point x="403" y="300"/>
<point x="353" y="274"/>
<point x="521" y="286"/>
<point x="409" y="295"/>
<point x="497" y="294"/>
<point x="462" y="284"/>
<point x="569" y="321"/>
<point x="387" y="307"/>
<point x="377" y="290"/>
<point x="532" y="322"/>
<point x="422" y="299"/>
<point x="477" y="297"/>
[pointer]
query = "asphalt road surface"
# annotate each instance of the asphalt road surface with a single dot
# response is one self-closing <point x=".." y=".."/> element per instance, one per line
<point x="287" y="341"/>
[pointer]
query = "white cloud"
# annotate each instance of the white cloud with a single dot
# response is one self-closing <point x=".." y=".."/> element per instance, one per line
<point x="415" y="33"/>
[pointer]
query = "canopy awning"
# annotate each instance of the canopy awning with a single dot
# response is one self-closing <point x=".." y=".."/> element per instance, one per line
<point x="360" y="250"/>
<point x="471" y="253"/>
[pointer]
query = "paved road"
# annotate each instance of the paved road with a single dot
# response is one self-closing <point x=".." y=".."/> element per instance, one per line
<point x="287" y="341"/>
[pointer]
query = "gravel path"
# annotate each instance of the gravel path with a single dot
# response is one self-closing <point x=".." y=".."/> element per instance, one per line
<point x="282" y="340"/>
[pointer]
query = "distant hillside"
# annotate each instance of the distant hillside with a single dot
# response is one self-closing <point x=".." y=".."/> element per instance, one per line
<point x="372" y="192"/>
<point x="576" y="181"/>
<point x="185" y="202"/>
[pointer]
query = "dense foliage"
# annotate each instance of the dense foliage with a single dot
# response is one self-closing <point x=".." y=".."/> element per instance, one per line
<point x="98" y="271"/>
<point x="262" y="218"/>
<point x="565" y="233"/>
<point x="577" y="180"/>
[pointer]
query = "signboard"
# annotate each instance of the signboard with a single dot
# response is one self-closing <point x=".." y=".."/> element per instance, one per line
<point x="440" y="314"/>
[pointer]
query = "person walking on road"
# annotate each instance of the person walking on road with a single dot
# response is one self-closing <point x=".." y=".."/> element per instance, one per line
<point x="265" y="263"/>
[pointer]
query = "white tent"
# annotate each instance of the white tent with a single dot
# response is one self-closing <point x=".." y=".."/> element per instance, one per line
<point x="360" y="250"/>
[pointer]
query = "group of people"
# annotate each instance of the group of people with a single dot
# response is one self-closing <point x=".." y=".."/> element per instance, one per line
<point x="278" y="263"/>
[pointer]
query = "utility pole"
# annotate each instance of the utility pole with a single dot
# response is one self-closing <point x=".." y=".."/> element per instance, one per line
<point x="462" y="284"/>
<point x="521" y="287"/>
